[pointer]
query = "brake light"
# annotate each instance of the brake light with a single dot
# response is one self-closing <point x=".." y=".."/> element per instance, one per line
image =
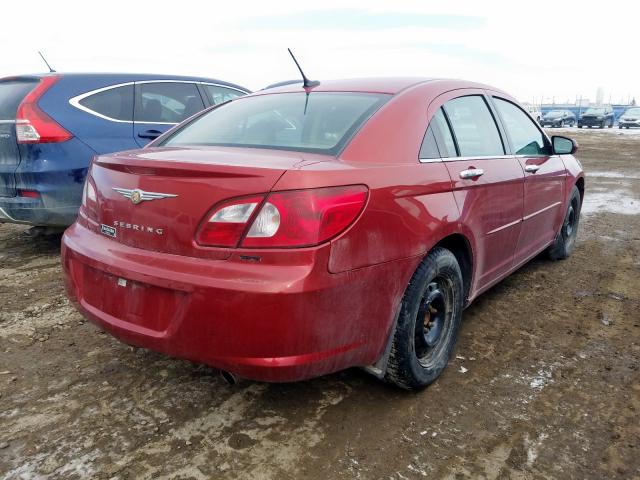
<point x="89" y="197"/>
<point x="224" y="227"/>
<point x="29" y="193"/>
<point x="295" y="218"/>
<point x="32" y="124"/>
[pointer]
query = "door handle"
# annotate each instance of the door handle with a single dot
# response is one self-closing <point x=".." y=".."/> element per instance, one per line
<point x="531" y="168"/>
<point x="471" y="173"/>
<point x="150" y="134"/>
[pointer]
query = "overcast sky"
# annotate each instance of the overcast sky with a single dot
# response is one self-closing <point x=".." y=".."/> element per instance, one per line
<point x="530" y="49"/>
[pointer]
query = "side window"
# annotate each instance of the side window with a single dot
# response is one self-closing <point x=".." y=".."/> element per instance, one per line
<point x="169" y="102"/>
<point x="218" y="95"/>
<point x="114" y="103"/>
<point x="524" y="135"/>
<point x="443" y="132"/>
<point x="429" y="148"/>
<point x="474" y="127"/>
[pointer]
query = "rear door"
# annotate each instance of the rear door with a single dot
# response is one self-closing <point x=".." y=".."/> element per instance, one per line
<point x="487" y="182"/>
<point x="107" y="123"/>
<point x="12" y="91"/>
<point x="159" y="105"/>
<point x="217" y="94"/>
<point x="544" y="179"/>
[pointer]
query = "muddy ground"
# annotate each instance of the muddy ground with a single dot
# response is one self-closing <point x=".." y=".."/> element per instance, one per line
<point x="545" y="382"/>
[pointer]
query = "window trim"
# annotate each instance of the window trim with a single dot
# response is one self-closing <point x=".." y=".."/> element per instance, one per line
<point x="508" y="136"/>
<point x="75" y="101"/>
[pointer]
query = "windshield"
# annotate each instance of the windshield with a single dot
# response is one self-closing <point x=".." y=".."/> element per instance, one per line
<point x="594" y="111"/>
<point x="633" y="111"/>
<point x="317" y="122"/>
<point x="554" y="113"/>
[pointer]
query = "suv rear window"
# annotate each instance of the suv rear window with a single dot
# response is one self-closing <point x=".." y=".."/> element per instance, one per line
<point x="11" y="94"/>
<point x="317" y="122"/>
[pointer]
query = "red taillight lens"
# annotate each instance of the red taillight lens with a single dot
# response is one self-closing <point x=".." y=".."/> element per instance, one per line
<point x="302" y="218"/>
<point x="296" y="218"/>
<point x="32" y="124"/>
<point x="224" y="227"/>
<point x="89" y="198"/>
<point x="29" y="193"/>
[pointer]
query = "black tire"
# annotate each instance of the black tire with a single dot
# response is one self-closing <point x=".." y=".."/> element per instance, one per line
<point x="611" y="124"/>
<point x="602" y="125"/>
<point x="620" y="127"/>
<point x="579" y="126"/>
<point x="428" y="322"/>
<point x="561" y="124"/>
<point x="566" y="238"/>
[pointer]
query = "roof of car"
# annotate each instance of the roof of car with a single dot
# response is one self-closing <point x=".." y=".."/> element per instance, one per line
<point x="388" y="85"/>
<point x="132" y="77"/>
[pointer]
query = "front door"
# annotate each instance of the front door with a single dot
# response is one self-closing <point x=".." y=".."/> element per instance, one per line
<point x="544" y="180"/>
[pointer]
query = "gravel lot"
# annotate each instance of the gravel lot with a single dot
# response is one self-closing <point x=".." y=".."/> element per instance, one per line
<point x="545" y="382"/>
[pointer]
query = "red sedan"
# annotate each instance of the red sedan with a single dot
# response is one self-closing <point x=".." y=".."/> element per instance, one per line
<point x="300" y="231"/>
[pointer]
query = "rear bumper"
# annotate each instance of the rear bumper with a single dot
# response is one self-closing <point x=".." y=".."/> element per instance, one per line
<point x="270" y="322"/>
<point x="35" y="212"/>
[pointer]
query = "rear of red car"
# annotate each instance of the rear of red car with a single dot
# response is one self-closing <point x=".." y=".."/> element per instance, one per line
<point x="191" y="249"/>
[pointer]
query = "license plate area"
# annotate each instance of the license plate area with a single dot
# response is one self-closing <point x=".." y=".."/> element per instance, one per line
<point x="133" y="302"/>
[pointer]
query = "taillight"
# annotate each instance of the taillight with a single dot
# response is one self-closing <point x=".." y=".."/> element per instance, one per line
<point x="295" y="218"/>
<point x="89" y="197"/>
<point x="32" y="124"/>
<point x="224" y="227"/>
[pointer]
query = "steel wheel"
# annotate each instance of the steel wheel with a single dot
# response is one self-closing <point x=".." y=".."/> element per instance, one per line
<point x="433" y="322"/>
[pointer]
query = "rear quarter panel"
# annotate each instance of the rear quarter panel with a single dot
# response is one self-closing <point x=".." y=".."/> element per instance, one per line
<point x="410" y="205"/>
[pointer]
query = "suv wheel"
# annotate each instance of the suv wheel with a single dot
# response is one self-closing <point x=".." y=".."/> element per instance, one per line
<point x="428" y="323"/>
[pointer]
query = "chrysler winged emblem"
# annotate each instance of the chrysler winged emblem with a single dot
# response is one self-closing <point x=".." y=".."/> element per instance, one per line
<point x="136" y="195"/>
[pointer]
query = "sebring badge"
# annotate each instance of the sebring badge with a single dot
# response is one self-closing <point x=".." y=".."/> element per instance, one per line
<point x="136" y="195"/>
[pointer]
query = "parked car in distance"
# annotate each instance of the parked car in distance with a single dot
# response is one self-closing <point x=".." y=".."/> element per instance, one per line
<point x="597" y="117"/>
<point x="558" y="118"/>
<point x="630" y="118"/>
<point x="299" y="231"/>
<point x="533" y="110"/>
<point x="51" y="125"/>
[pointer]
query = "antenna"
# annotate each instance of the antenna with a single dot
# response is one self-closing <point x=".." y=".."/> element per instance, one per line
<point x="306" y="83"/>
<point x="51" y="70"/>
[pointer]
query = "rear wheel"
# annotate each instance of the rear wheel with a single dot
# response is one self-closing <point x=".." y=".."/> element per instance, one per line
<point x="428" y="322"/>
<point x="566" y="238"/>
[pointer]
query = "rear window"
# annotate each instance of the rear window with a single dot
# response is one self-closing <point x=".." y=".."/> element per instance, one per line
<point x="11" y="94"/>
<point x="317" y="122"/>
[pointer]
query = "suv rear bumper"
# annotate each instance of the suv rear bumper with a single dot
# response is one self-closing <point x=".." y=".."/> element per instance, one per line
<point x="264" y="321"/>
<point x="30" y="211"/>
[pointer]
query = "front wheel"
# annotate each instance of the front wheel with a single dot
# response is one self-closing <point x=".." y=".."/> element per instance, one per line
<point x="428" y="323"/>
<point x="566" y="238"/>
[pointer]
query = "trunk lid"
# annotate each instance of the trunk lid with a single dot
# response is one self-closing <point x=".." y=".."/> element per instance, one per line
<point x="191" y="179"/>
<point x="12" y="91"/>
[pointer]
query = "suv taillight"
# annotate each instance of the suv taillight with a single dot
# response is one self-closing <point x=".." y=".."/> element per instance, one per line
<point x="294" y="218"/>
<point x="32" y="124"/>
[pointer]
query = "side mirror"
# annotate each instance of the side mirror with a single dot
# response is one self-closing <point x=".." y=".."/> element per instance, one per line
<point x="563" y="145"/>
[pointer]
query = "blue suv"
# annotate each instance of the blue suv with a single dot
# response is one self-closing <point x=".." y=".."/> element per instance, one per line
<point x="51" y="126"/>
